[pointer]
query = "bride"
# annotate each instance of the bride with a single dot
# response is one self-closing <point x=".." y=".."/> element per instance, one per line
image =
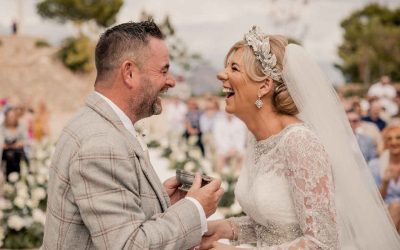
<point x="305" y="184"/>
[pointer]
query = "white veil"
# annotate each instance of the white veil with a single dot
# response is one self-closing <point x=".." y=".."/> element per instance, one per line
<point x="362" y="218"/>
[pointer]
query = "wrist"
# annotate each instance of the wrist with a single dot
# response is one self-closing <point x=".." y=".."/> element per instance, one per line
<point x="230" y="231"/>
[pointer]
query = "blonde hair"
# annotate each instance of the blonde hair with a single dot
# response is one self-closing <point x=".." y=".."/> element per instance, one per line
<point x="281" y="99"/>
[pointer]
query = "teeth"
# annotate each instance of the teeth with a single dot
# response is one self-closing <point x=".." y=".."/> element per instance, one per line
<point x="227" y="90"/>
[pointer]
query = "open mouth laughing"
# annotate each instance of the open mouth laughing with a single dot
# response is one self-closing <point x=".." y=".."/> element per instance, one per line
<point x="229" y="92"/>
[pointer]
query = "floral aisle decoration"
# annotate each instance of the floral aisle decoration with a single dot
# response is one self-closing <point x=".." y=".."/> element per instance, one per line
<point x="185" y="155"/>
<point x="23" y="206"/>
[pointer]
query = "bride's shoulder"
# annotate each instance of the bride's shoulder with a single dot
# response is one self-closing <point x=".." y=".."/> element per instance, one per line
<point x="299" y="132"/>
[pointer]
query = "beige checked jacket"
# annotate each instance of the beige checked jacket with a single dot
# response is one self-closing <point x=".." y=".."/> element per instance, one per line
<point x="104" y="194"/>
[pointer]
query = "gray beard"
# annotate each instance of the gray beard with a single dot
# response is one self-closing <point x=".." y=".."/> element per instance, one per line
<point x="148" y="104"/>
<point x="157" y="108"/>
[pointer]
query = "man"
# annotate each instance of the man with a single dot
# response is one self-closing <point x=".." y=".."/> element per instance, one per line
<point x="374" y="114"/>
<point x="103" y="192"/>
<point x="365" y="142"/>
<point x="386" y="94"/>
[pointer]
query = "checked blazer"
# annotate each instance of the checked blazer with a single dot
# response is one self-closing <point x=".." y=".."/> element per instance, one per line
<point x="103" y="192"/>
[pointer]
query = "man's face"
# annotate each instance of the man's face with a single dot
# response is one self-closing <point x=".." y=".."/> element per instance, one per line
<point x="385" y="80"/>
<point x="354" y="120"/>
<point x="155" y="79"/>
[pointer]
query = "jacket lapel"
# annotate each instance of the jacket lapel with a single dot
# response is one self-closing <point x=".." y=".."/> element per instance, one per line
<point x="95" y="102"/>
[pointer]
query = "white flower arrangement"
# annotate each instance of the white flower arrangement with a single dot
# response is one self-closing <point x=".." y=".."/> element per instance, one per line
<point x="184" y="154"/>
<point x="15" y="222"/>
<point x="22" y="209"/>
<point x="13" y="177"/>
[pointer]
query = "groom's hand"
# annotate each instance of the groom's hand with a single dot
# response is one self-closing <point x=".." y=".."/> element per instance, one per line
<point x="171" y="186"/>
<point x="208" y="196"/>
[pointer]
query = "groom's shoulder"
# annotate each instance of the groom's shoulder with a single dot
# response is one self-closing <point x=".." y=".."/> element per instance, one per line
<point x="87" y="124"/>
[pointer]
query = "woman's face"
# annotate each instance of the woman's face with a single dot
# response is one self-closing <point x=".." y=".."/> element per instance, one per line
<point x="393" y="142"/>
<point x="240" y="90"/>
<point x="11" y="118"/>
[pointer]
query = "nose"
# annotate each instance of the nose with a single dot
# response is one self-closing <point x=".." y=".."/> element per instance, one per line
<point x="170" y="81"/>
<point x="222" y="76"/>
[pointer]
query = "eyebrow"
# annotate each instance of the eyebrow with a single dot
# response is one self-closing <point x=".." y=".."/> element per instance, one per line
<point x="234" y="63"/>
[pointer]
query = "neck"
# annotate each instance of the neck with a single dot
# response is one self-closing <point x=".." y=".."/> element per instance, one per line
<point x="120" y="100"/>
<point x="374" y="117"/>
<point x="264" y="123"/>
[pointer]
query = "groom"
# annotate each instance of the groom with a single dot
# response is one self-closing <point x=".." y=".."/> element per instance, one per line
<point x="103" y="192"/>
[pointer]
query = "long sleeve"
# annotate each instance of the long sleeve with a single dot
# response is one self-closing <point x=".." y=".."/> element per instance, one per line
<point x="310" y="180"/>
<point x="246" y="228"/>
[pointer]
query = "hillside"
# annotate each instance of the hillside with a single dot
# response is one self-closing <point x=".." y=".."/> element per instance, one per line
<point x="31" y="74"/>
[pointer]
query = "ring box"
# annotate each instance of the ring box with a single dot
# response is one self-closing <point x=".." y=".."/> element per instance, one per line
<point x="186" y="179"/>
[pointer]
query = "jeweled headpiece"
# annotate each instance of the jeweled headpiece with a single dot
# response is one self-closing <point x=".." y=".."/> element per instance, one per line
<point x="259" y="43"/>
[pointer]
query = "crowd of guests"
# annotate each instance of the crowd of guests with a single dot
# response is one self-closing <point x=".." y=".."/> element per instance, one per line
<point x="375" y="121"/>
<point x="220" y="137"/>
<point x="20" y="127"/>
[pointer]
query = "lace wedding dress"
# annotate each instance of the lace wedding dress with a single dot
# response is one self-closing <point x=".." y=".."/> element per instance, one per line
<point x="286" y="191"/>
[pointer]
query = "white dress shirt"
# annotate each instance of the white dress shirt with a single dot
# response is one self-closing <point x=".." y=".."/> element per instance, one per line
<point x="129" y="126"/>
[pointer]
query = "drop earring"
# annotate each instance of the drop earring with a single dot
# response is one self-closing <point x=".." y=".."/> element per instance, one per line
<point x="259" y="103"/>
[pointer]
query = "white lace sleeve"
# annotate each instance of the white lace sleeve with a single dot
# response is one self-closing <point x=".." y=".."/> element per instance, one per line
<point x="246" y="232"/>
<point x="310" y="180"/>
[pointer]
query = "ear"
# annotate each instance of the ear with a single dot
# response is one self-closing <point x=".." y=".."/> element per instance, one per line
<point x="129" y="72"/>
<point x="266" y="87"/>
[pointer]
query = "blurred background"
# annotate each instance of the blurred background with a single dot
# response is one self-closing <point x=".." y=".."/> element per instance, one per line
<point x="47" y="70"/>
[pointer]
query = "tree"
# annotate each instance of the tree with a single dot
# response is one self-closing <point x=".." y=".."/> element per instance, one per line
<point x="103" y="12"/>
<point x="77" y="53"/>
<point x="371" y="44"/>
<point x="178" y="50"/>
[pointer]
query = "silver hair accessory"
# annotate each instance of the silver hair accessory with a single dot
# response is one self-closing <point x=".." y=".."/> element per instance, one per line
<point x="259" y="43"/>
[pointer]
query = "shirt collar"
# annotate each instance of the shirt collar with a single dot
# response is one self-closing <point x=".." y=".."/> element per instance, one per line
<point x="124" y="119"/>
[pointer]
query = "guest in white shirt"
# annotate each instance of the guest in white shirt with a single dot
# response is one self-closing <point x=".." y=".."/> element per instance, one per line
<point x="386" y="94"/>
<point x="230" y="139"/>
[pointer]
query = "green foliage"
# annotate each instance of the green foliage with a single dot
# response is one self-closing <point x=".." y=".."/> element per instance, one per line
<point x="77" y="54"/>
<point x="153" y="144"/>
<point x="229" y="196"/>
<point x="371" y="44"/>
<point x="178" y="50"/>
<point x="293" y="40"/>
<point x="103" y="12"/>
<point x="41" y="43"/>
<point x="31" y="237"/>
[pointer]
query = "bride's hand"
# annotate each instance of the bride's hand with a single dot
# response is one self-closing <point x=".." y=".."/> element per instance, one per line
<point x="219" y="229"/>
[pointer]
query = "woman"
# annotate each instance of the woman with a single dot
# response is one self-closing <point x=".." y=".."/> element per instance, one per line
<point x="386" y="171"/>
<point x="15" y="137"/>
<point x="305" y="184"/>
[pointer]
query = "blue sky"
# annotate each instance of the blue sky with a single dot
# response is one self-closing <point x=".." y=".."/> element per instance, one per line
<point x="210" y="27"/>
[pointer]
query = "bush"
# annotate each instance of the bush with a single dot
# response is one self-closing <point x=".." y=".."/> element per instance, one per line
<point x="77" y="54"/>
<point x="41" y="43"/>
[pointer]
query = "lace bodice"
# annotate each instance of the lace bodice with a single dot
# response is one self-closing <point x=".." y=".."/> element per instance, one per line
<point x="286" y="190"/>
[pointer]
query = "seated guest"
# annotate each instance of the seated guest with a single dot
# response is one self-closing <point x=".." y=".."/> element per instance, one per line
<point x="365" y="142"/>
<point x="386" y="172"/>
<point x="374" y="114"/>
